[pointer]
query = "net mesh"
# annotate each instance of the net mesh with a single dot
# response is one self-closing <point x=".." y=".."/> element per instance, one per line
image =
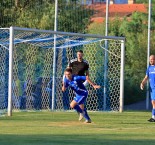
<point x="33" y="70"/>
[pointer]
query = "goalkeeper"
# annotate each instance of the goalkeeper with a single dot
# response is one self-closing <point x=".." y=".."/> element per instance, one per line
<point x="75" y="82"/>
<point x="79" y="67"/>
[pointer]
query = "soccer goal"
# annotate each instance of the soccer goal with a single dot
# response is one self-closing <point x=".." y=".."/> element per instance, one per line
<point x="33" y="62"/>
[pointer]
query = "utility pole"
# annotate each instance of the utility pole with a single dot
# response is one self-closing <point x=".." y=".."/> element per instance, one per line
<point x="148" y="52"/>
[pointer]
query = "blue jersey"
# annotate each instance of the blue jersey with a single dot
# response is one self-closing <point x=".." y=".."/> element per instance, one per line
<point x="76" y="84"/>
<point x="150" y="72"/>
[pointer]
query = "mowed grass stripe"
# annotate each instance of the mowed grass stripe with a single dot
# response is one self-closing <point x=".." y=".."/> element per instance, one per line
<point x="63" y="128"/>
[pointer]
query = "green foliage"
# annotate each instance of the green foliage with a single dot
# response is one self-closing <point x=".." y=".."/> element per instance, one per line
<point x="136" y="43"/>
<point x="114" y="27"/>
<point x="96" y="28"/>
<point x="73" y="17"/>
<point x="39" y="16"/>
<point x="5" y="13"/>
<point x="144" y="1"/>
<point x="135" y="30"/>
<point x="132" y="91"/>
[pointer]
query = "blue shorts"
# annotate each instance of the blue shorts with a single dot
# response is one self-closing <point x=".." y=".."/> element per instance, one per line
<point x="152" y="94"/>
<point x="80" y="99"/>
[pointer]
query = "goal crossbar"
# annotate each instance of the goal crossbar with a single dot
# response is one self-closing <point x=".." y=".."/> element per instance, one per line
<point x="105" y="50"/>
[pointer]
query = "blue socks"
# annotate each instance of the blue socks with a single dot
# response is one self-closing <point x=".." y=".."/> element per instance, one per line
<point x="85" y="114"/>
<point x="78" y="109"/>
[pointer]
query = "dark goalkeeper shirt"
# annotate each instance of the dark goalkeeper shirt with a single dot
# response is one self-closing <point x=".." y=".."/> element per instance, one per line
<point x="79" y="68"/>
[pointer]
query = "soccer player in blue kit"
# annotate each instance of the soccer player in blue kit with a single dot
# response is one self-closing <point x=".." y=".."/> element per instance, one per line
<point x="76" y="84"/>
<point x="150" y="74"/>
<point x="79" y="67"/>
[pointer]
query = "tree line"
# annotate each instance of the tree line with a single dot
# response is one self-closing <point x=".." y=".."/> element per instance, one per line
<point x="73" y="17"/>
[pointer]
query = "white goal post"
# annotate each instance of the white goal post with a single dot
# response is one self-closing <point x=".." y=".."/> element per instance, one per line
<point x="33" y="61"/>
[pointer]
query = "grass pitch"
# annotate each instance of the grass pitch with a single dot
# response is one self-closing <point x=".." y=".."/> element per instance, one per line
<point x="63" y="128"/>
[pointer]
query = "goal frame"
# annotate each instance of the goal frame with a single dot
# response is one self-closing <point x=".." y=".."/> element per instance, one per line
<point x="11" y="45"/>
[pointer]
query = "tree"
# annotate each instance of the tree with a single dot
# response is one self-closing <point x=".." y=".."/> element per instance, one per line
<point x="5" y="13"/>
<point x="144" y="1"/>
<point x="72" y="16"/>
<point x="134" y="29"/>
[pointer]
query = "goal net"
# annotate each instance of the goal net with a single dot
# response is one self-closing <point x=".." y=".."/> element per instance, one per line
<point x="33" y="62"/>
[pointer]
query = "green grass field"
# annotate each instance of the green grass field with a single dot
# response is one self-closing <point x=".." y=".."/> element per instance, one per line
<point x="62" y="128"/>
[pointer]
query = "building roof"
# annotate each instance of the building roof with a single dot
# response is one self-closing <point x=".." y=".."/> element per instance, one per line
<point x="119" y="10"/>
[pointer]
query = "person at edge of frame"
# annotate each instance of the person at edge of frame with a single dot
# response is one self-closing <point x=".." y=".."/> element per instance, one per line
<point x="150" y="74"/>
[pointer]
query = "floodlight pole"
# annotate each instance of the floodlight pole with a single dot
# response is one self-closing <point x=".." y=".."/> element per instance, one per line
<point x="106" y="57"/>
<point x="54" y="57"/>
<point x="148" y="52"/>
<point x="107" y="16"/>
